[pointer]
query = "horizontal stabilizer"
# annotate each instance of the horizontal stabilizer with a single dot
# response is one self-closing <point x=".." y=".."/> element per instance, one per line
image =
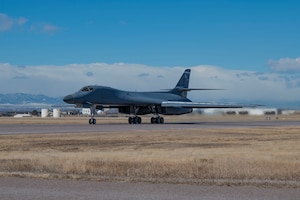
<point x="190" y="89"/>
<point x="202" y="105"/>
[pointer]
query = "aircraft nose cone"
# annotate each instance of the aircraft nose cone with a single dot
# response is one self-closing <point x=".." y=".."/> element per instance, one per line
<point x="69" y="99"/>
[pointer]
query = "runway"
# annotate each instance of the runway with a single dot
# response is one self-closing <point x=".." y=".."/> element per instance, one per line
<point x="7" y="129"/>
<point x="27" y="188"/>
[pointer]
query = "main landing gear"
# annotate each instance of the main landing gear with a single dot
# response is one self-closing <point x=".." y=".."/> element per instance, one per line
<point x="157" y="120"/>
<point x="138" y="120"/>
<point x="135" y="120"/>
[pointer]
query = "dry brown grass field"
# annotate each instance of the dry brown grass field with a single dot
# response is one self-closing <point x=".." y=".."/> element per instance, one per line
<point x="232" y="156"/>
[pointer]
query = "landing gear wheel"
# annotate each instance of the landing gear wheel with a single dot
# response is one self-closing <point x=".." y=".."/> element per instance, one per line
<point x="130" y="120"/>
<point x="157" y="120"/>
<point x="92" y="121"/>
<point x="153" y="120"/>
<point x="138" y="120"/>
<point x="134" y="120"/>
<point x="161" y="120"/>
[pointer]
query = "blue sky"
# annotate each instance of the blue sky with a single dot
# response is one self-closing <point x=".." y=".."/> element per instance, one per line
<point x="248" y="47"/>
<point x="233" y="34"/>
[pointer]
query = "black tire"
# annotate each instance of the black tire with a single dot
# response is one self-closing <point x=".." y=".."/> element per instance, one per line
<point x="152" y="120"/>
<point x="130" y="120"/>
<point x="135" y="120"/>
<point x="157" y="120"/>
<point x="139" y="120"/>
<point x="161" y="120"/>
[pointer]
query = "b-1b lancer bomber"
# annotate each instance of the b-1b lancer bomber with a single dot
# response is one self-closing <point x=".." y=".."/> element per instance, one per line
<point x="166" y="102"/>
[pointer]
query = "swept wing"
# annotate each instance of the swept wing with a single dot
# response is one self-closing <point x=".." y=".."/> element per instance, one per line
<point x="202" y="105"/>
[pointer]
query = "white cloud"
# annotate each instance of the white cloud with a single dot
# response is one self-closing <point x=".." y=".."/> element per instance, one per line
<point x="43" y="28"/>
<point x="6" y="23"/>
<point x="286" y="65"/>
<point x="62" y="80"/>
<point x="21" y="20"/>
<point x="49" y="28"/>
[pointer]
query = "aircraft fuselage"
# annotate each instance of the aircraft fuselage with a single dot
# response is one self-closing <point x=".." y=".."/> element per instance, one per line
<point x="145" y="102"/>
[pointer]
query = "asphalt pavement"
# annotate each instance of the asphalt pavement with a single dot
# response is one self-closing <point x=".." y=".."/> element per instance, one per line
<point x="116" y="127"/>
<point x="31" y="189"/>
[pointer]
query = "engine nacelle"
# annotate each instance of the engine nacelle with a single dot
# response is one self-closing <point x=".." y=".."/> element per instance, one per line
<point x="144" y="111"/>
<point x="85" y="105"/>
<point x="124" y="110"/>
<point x="140" y="111"/>
<point x="175" y="110"/>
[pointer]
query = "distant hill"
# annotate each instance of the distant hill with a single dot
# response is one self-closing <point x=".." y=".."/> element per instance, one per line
<point x="21" y="98"/>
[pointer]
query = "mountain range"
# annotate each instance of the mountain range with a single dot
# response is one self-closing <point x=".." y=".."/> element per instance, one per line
<point x="21" y="98"/>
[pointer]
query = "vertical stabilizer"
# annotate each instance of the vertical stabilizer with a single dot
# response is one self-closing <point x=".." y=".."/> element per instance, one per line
<point x="184" y="80"/>
<point x="183" y="83"/>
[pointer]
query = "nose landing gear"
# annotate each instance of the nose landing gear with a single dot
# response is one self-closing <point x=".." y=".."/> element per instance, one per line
<point x="92" y="120"/>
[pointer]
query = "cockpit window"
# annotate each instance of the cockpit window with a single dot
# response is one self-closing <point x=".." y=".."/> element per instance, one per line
<point x="87" y="89"/>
